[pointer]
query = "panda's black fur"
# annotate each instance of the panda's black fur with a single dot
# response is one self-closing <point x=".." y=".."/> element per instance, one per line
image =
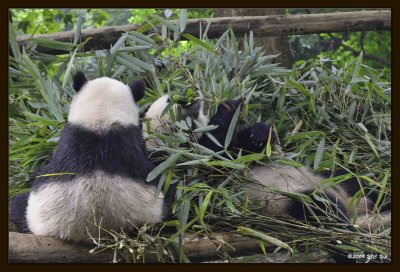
<point x="102" y="158"/>
<point x="82" y="151"/>
<point x="250" y="140"/>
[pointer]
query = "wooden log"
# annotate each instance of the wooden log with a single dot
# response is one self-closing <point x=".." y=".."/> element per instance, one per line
<point x="29" y="248"/>
<point x="274" y="25"/>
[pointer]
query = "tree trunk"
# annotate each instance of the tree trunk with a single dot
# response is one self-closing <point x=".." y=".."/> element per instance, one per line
<point x="262" y="26"/>
<point x="271" y="45"/>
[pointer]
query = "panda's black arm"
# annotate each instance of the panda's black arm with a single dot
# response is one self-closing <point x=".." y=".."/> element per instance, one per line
<point x="222" y="119"/>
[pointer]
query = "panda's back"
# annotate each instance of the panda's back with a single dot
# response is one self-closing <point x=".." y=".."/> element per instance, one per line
<point x="66" y="209"/>
<point x="101" y="182"/>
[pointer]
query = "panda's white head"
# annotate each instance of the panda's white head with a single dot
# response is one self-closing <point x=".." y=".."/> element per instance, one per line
<point x="100" y="103"/>
<point x="158" y="122"/>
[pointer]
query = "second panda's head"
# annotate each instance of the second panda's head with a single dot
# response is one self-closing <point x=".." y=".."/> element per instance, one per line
<point x="100" y="103"/>
<point x="159" y="121"/>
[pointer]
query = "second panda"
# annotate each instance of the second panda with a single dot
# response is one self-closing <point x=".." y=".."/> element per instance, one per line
<point x="277" y="177"/>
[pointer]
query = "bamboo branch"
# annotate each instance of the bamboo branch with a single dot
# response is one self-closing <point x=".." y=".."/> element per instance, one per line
<point x="273" y="25"/>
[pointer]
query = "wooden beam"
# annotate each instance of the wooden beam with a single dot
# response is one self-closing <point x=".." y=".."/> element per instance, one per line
<point x="29" y="248"/>
<point x="276" y="25"/>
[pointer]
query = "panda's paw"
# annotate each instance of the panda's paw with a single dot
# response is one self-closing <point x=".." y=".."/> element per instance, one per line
<point x="259" y="134"/>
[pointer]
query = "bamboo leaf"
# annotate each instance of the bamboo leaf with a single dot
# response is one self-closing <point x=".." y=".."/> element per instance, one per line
<point x="195" y="40"/>
<point x="44" y="88"/>
<point x="41" y="119"/>
<point x="357" y="68"/>
<point x="348" y="248"/>
<point x="140" y="38"/>
<point x="371" y="144"/>
<point x="54" y="44"/>
<point x="67" y="74"/>
<point x="171" y="161"/>
<point x="228" y="164"/>
<point x="205" y="128"/>
<point x="12" y="38"/>
<point x="55" y="174"/>
<point x="303" y="135"/>
<point x="193" y="162"/>
<point x="134" y="48"/>
<point x="296" y="196"/>
<point x="128" y="64"/>
<point x="213" y="139"/>
<point x="207" y="27"/>
<point x="262" y="246"/>
<point x="371" y="181"/>
<point x="165" y="22"/>
<point x="147" y="26"/>
<point x="136" y="61"/>
<point x="182" y="20"/>
<point x="78" y="28"/>
<point x="231" y="128"/>
<point x="381" y="191"/>
<point x="205" y="204"/>
<point x="262" y="236"/>
<point x="299" y="87"/>
<point x="269" y="148"/>
<point x="291" y="163"/>
<point x="319" y="153"/>
<point x="250" y="158"/>
<point x="118" y="44"/>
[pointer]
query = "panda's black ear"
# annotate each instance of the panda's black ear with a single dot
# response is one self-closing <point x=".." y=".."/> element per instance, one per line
<point x="78" y="81"/>
<point x="137" y="88"/>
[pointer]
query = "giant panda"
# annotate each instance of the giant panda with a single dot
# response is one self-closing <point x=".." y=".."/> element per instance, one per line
<point x="96" y="176"/>
<point x="250" y="140"/>
<point x="273" y="178"/>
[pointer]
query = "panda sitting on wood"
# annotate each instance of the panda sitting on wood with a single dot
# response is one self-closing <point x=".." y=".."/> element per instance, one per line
<point x="97" y="171"/>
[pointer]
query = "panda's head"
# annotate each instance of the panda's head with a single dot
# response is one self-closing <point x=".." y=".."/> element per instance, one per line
<point x="159" y="121"/>
<point x="100" y="103"/>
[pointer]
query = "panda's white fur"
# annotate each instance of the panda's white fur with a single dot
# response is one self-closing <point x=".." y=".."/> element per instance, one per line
<point x="71" y="210"/>
<point x="102" y="102"/>
<point x="293" y="180"/>
<point x="102" y="191"/>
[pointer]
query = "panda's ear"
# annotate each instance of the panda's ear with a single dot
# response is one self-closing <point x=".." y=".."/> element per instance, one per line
<point x="78" y="81"/>
<point x="137" y="88"/>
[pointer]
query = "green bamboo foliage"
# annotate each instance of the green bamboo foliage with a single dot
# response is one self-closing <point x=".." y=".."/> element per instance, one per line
<point x="325" y="117"/>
